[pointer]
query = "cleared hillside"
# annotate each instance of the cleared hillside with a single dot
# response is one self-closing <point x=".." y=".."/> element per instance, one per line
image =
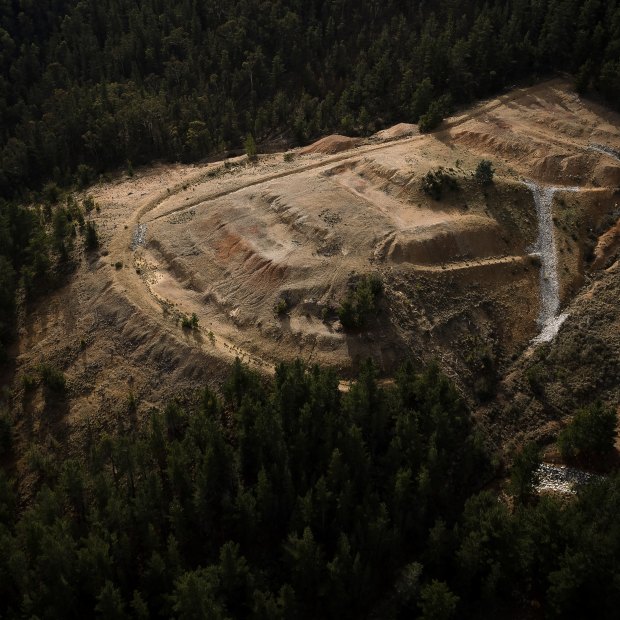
<point x="231" y="241"/>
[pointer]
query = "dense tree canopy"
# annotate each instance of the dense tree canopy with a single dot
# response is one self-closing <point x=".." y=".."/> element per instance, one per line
<point x="289" y="499"/>
<point x="89" y="85"/>
<point x="295" y="500"/>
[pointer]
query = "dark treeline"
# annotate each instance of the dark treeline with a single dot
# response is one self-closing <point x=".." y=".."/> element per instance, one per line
<point x="294" y="500"/>
<point x="87" y="86"/>
<point x="37" y="250"/>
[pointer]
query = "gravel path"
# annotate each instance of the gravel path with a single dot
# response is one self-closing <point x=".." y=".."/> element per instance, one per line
<point x="605" y="150"/>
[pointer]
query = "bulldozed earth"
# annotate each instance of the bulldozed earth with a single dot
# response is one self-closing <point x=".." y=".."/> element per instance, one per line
<point x="264" y="253"/>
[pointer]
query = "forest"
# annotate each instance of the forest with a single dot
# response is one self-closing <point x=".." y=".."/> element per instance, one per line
<point x="288" y="498"/>
<point x="291" y="499"/>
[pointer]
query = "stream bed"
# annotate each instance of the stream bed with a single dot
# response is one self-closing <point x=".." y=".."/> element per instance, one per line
<point x="549" y="319"/>
<point x="138" y="237"/>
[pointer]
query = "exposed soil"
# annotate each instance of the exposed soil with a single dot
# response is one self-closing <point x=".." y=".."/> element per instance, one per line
<point x="229" y="241"/>
<point x="401" y="130"/>
<point x="608" y="248"/>
<point x="331" y="145"/>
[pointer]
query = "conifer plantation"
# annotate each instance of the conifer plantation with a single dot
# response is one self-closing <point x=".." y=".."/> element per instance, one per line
<point x="88" y="86"/>
<point x="295" y="500"/>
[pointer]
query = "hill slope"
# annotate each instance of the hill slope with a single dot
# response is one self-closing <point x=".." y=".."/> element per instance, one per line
<point x="230" y="241"/>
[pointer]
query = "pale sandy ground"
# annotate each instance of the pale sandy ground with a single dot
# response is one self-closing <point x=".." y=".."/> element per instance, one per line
<point x="228" y="241"/>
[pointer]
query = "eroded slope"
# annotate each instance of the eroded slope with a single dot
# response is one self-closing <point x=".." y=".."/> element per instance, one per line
<point x="230" y="241"/>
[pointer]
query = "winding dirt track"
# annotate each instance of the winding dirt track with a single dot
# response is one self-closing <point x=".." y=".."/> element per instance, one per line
<point x="132" y="286"/>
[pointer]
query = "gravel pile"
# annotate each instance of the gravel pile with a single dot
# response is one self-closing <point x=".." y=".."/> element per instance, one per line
<point x="561" y="479"/>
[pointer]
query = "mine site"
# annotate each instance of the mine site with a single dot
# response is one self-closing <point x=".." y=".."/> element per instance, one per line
<point x="263" y="254"/>
<point x="309" y="310"/>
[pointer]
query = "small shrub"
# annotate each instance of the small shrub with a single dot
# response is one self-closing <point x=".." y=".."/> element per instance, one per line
<point x="53" y="379"/>
<point x="190" y="322"/>
<point x="85" y="176"/>
<point x="75" y="213"/>
<point x="535" y="376"/>
<point x="91" y="238"/>
<point x="51" y="193"/>
<point x="523" y="475"/>
<point x="250" y="148"/>
<point x="361" y="302"/>
<point x="29" y="383"/>
<point x="118" y="264"/>
<point x="281" y="307"/>
<point x="431" y="120"/>
<point x="485" y="172"/>
<point x="435" y="114"/>
<point x="591" y="433"/>
<point x="132" y="404"/>
<point x="288" y="157"/>
<point x="437" y="601"/>
<point x="435" y="182"/>
<point x="40" y="462"/>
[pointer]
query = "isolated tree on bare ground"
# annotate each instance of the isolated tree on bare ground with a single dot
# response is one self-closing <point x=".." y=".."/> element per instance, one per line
<point x="485" y="172"/>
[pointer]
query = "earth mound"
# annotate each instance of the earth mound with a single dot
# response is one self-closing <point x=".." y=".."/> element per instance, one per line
<point x="402" y="130"/>
<point x="330" y="145"/>
<point x="607" y="250"/>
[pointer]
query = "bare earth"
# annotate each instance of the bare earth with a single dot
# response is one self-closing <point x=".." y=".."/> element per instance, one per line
<point x="228" y="241"/>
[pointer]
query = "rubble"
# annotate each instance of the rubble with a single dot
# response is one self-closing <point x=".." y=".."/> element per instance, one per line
<point x="562" y="479"/>
<point x="139" y="236"/>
